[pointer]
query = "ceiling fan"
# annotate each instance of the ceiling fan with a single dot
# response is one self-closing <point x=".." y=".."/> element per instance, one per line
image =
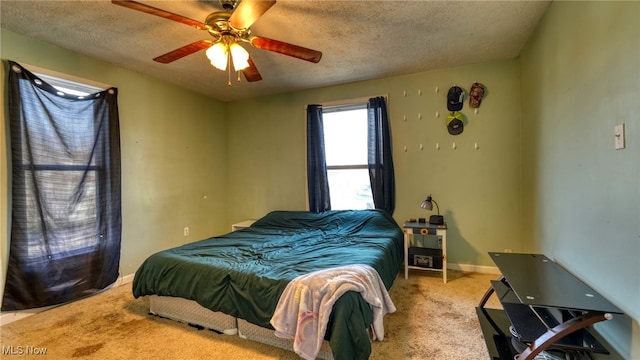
<point x="228" y="28"/>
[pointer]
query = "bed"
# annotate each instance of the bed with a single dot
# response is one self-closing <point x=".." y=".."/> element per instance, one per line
<point x="240" y="276"/>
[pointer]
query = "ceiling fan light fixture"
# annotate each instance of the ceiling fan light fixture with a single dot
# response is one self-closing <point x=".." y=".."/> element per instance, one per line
<point x="218" y="56"/>
<point x="239" y="56"/>
<point x="228" y="28"/>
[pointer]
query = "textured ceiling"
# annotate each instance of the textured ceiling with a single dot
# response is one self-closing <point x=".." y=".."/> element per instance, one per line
<point x="360" y="40"/>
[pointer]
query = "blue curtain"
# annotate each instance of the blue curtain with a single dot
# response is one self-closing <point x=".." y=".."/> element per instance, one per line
<point x="65" y="217"/>
<point x="317" y="181"/>
<point x="380" y="160"/>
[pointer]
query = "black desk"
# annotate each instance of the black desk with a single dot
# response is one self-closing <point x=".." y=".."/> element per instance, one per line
<point x="544" y="305"/>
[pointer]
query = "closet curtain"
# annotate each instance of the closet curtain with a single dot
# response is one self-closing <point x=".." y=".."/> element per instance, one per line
<point x="66" y="217"/>
<point x="317" y="180"/>
<point x="380" y="161"/>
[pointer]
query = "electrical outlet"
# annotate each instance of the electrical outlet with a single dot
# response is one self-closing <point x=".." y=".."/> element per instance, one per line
<point x="186" y="231"/>
<point x="508" y="251"/>
<point x="619" y="136"/>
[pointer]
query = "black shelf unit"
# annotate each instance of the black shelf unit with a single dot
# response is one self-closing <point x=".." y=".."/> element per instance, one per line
<point x="544" y="308"/>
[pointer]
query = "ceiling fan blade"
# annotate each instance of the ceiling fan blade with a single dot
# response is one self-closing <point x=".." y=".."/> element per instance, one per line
<point x="183" y="51"/>
<point x="248" y="11"/>
<point x="159" y="12"/>
<point x="286" y="49"/>
<point x="251" y="73"/>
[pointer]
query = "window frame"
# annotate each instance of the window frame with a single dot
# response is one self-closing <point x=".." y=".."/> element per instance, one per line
<point x="348" y="105"/>
<point x="79" y="87"/>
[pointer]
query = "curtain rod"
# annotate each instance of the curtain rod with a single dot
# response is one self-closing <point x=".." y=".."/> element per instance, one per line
<point x="363" y="99"/>
<point x="69" y="77"/>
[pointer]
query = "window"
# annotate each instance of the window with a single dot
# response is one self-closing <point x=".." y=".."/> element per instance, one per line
<point x="70" y="87"/>
<point x="76" y="216"/>
<point x="345" y="138"/>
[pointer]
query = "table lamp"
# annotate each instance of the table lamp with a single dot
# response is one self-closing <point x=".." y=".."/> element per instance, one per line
<point x="427" y="204"/>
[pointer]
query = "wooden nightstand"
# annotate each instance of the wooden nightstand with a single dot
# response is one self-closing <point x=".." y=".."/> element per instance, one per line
<point x="242" y="225"/>
<point x="432" y="257"/>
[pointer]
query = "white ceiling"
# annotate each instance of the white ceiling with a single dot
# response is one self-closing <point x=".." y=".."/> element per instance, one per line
<point x="360" y="40"/>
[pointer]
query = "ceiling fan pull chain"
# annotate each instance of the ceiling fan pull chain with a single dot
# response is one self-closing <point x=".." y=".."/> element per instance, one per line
<point x="229" y="66"/>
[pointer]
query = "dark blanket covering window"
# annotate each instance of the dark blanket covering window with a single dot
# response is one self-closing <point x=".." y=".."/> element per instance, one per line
<point x="66" y="217"/>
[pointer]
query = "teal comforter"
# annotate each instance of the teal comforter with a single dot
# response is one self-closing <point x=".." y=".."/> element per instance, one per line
<point x="243" y="273"/>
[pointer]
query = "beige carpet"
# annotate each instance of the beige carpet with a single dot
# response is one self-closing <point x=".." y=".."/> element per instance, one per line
<point x="434" y="321"/>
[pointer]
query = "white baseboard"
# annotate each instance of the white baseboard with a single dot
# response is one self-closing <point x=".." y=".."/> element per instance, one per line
<point x="474" y="268"/>
<point x="127" y="279"/>
<point x="8" y="317"/>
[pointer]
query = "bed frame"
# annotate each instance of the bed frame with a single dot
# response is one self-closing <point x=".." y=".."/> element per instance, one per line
<point x="190" y="312"/>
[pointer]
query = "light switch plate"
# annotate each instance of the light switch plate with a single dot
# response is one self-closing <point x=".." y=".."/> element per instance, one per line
<point x="619" y="136"/>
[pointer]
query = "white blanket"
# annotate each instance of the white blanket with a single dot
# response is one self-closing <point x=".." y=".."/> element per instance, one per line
<point x="305" y="305"/>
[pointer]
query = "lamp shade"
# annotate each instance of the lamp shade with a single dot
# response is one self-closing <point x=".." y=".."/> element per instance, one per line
<point x="218" y="56"/>
<point x="239" y="56"/>
<point x="427" y="204"/>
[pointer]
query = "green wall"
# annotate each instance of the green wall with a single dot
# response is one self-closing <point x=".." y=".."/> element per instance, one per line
<point x="580" y="77"/>
<point x="173" y="145"/>
<point x="478" y="190"/>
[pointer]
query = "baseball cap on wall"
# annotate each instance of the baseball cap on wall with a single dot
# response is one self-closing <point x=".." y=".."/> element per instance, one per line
<point x="455" y="125"/>
<point x="455" y="98"/>
<point x="476" y="92"/>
